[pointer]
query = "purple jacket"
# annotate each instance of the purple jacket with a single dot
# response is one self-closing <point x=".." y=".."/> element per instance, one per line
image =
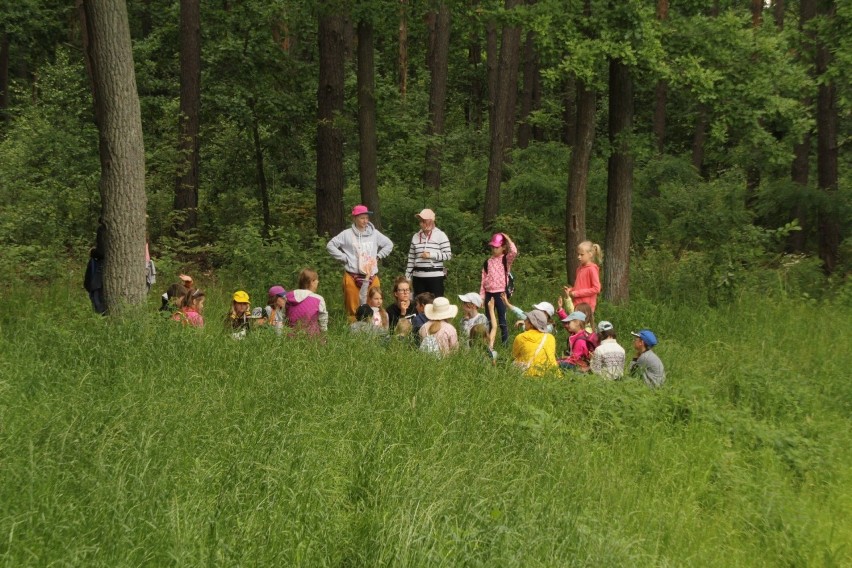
<point x="306" y="311"/>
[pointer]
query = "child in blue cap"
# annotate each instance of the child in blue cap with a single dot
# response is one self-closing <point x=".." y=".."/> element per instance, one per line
<point x="646" y="364"/>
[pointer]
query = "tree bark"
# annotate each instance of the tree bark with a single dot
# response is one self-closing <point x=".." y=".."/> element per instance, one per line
<point x="756" y="13"/>
<point x="186" y="183"/>
<point x="329" y="196"/>
<point x="699" y="137"/>
<point x="474" y="104"/>
<point x="403" y="47"/>
<point x="261" y="174"/>
<point x="569" y="112"/>
<point x="578" y="176"/>
<point x="492" y="57"/>
<point x="367" y="140"/>
<point x="778" y="13"/>
<point x="661" y="91"/>
<point x="121" y="149"/>
<point x="503" y="126"/>
<point x="827" y="173"/>
<point x="530" y="86"/>
<point x="4" y="76"/>
<point x="619" y="184"/>
<point x="439" y="28"/>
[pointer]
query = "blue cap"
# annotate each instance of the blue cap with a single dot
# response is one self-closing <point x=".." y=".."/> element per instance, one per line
<point x="575" y="316"/>
<point x="647" y="336"/>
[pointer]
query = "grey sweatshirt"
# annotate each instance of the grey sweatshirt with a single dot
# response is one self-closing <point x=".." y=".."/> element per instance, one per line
<point x="352" y="247"/>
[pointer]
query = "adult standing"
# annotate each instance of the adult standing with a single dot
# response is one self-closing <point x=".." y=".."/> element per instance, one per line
<point x="359" y="249"/>
<point x="429" y="250"/>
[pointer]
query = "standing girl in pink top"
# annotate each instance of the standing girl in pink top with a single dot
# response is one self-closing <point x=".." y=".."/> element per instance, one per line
<point x="191" y="307"/>
<point x="587" y="283"/>
<point x="495" y="277"/>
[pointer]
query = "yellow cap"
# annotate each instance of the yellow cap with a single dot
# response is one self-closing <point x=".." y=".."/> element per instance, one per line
<point x="241" y="297"/>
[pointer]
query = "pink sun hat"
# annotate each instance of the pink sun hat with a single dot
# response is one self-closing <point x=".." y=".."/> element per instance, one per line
<point x="360" y="210"/>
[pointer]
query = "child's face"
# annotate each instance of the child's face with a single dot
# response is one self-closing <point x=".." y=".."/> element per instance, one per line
<point x="419" y="308"/>
<point x="314" y="284"/>
<point x="199" y="305"/>
<point x="584" y="255"/>
<point x="279" y="302"/>
<point x="240" y="308"/>
<point x="375" y="301"/>
<point x="469" y="308"/>
<point x="497" y="251"/>
<point x="575" y="325"/>
<point x="638" y="345"/>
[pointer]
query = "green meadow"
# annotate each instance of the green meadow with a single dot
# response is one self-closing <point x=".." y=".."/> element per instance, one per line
<point x="128" y="442"/>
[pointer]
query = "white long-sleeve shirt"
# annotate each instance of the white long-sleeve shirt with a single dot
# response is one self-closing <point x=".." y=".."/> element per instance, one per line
<point x="437" y="245"/>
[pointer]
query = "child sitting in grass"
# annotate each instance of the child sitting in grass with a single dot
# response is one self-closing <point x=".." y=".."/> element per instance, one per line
<point x="439" y="336"/>
<point x="482" y="336"/>
<point x="422" y="300"/>
<point x="238" y="321"/>
<point x="364" y="323"/>
<point x="471" y="302"/>
<point x="534" y="351"/>
<point x="608" y="357"/>
<point x="579" y="343"/>
<point x="191" y="307"/>
<point x="646" y="364"/>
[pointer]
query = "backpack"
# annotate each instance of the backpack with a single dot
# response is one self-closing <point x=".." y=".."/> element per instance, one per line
<point x="510" y="278"/>
<point x="590" y="343"/>
<point x="429" y="344"/>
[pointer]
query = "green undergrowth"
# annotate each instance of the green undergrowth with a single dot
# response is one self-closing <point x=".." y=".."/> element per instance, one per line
<point x="138" y="442"/>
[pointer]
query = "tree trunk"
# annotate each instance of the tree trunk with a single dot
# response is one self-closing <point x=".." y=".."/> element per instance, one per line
<point x="122" y="153"/>
<point x="569" y="112"/>
<point x="778" y="13"/>
<point x="528" y="92"/>
<point x="619" y="184"/>
<point x="4" y="76"/>
<point x="186" y="183"/>
<point x="474" y="105"/>
<point x="503" y="126"/>
<point x="329" y="197"/>
<point x="827" y="174"/>
<point x="661" y="92"/>
<point x="699" y="137"/>
<point x="578" y="176"/>
<point x="403" y="47"/>
<point x="367" y="122"/>
<point x="261" y="174"/>
<point x="438" y="64"/>
<point x="492" y="57"/>
<point x="756" y="13"/>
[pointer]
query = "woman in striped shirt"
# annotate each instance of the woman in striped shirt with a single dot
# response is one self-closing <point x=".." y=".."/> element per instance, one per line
<point x="429" y="249"/>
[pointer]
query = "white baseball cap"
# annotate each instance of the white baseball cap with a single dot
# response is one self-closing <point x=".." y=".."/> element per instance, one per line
<point x="546" y="307"/>
<point x="472" y="298"/>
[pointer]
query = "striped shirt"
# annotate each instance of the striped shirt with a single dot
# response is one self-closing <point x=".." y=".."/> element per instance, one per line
<point x="436" y="243"/>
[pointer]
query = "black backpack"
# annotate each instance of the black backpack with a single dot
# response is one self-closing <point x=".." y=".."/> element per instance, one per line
<point x="510" y="278"/>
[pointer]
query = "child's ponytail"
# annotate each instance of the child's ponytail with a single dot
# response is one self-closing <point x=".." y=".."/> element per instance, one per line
<point x="597" y="253"/>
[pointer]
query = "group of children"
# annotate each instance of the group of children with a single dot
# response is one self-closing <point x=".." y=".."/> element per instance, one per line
<point x="428" y="320"/>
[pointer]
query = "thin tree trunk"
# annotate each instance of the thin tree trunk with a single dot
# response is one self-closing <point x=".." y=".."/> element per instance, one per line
<point x="578" y="176"/>
<point x="528" y="92"/>
<point x="699" y="137"/>
<point x="619" y="184"/>
<point x="329" y="196"/>
<point x="438" y="67"/>
<point x="492" y="57"/>
<point x="261" y="174"/>
<point x="403" y="47"/>
<point x="827" y="173"/>
<point x="4" y="76"/>
<point x="756" y="13"/>
<point x="503" y="126"/>
<point x="661" y="91"/>
<point x="122" y="153"/>
<point x="367" y="140"/>
<point x="186" y="182"/>
<point x="474" y="104"/>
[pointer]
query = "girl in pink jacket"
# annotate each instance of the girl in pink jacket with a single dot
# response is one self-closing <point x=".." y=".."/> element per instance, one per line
<point x="587" y="283"/>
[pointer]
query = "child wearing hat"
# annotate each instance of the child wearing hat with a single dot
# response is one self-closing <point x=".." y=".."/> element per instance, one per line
<point x="439" y="336"/>
<point x="646" y="364"/>
<point x="238" y="320"/>
<point x="546" y="307"/>
<point x="579" y="343"/>
<point x="495" y="277"/>
<point x="534" y="350"/>
<point x="273" y="312"/>
<point x="608" y="358"/>
<point x="471" y="302"/>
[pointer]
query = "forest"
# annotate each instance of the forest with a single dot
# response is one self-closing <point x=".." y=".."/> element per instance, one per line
<point x="710" y="137"/>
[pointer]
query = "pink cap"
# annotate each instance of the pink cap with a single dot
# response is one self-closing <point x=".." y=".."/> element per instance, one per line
<point x="277" y="291"/>
<point x="496" y="240"/>
<point x="360" y="210"/>
<point x="426" y="215"/>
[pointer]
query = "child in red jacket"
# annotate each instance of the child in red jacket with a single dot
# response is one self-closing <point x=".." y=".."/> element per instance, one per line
<point x="587" y="283"/>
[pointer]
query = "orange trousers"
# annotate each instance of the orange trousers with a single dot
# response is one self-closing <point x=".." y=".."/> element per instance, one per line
<point x="350" y="294"/>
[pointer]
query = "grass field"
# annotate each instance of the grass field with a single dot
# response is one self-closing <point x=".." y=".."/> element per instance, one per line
<point x="138" y="442"/>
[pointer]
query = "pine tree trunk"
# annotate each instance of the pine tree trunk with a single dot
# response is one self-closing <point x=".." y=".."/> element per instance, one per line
<point x="122" y="153"/>
<point x="578" y="176"/>
<point x="502" y="127"/>
<point x="438" y="68"/>
<point x="827" y="173"/>
<point x="474" y="105"/>
<point x="329" y="196"/>
<point x="261" y="174"/>
<point x="403" y="47"/>
<point x="619" y="185"/>
<point x="699" y="137"/>
<point x="367" y="140"/>
<point x="186" y="183"/>
<point x="778" y="13"/>
<point x="528" y="92"/>
<point x="569" y="111"/>
<point x="492" y="57"/>
<point x="661" y="92"/>
<point x="4" y="76"/>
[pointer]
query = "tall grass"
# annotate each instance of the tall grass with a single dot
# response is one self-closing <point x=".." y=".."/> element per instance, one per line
<point x="136" y="441"/>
